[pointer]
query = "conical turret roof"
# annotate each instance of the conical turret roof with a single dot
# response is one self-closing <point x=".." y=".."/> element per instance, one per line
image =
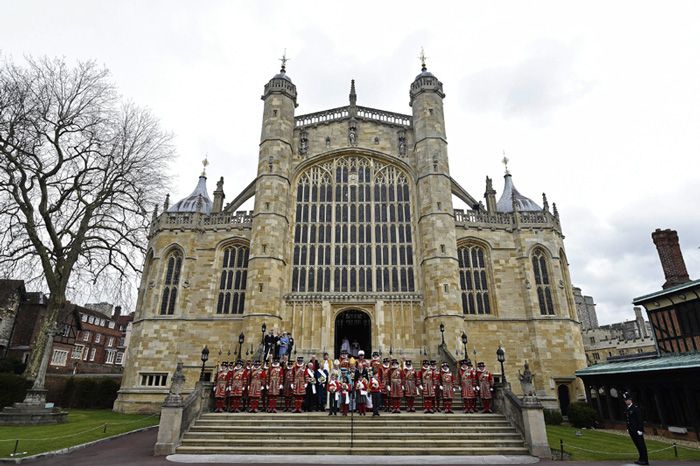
<point x="198" y="201"/>
<point x="511" y="195"/>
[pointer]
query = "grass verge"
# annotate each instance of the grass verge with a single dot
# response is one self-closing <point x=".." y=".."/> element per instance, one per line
<point x="83" y="425"/>
<point x="594" y="445"/>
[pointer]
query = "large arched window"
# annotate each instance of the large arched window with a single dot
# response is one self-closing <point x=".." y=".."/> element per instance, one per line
<point x="170" y="285"/>
<point x="473" y="279"/>
<point x="353" y="228"/>
<point x="233" y="280"/>
<point x="542" y="282"/>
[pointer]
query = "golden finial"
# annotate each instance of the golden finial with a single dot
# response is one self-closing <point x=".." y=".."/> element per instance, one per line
<point x="422" y="59"/>
<point x="505" y="162"/>
<point x="205" y="162"/>
<point x="284" y="61"/>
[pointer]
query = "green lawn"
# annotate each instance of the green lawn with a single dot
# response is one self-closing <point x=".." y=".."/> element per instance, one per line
<point x="615" y="447"/>
<point x="84" y="425"/>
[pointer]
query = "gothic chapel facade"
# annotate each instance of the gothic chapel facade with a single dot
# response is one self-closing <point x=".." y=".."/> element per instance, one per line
<point x="354" y="235"/>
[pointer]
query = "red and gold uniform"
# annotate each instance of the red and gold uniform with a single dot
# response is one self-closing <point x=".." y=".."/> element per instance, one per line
<point x="376" y="364"/>
<point x="299" y="384"/>
<point x="467" y="383"/>
<point x="410" y="377"/>
<point x="427" y="387"/>
<point x="257" y="381"/>
<point x="447" y="387"/>
<point x="436" y="384"/>
<point x="275" y="385"/>
<point x="344" y="361"/>
<point x="288" y="382"/>
<point x="386" y="384"/>
<point x="220" y="388"/>
<point x="485" y="387"/>
<point x="238" y="386"/>
<point x="396" y="382"/>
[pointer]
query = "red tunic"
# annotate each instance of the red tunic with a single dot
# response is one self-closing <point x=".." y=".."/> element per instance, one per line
<point x="288" y="381"/>
<point x="467" y="381"/>
<point x="396" y="383"/>
<point x="409" y="376"/>
<point x="427" y="383"/>
<point x="238" y="380"/>
<point x="447" y="382"/>
<point x="386" y="381"/>
<point x="298" y="379"/>
<point x="257" y="380"/>
<point x="220" y="387"/>
<point x="376" y="366"/>
<point x="275" y="381"/>
<point x="485" y="384"/>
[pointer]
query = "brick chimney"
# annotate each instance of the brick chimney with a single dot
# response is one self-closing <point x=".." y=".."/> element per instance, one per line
<point x="117" y="311"/>
<point x="672" y="262"/>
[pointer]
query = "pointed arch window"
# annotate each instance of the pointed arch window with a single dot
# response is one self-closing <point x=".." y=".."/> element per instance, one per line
<point x="171" y="283"/>
<point x="473" y="279"/>
<point x="542" y="282"/>
<point x="233" y="280"/>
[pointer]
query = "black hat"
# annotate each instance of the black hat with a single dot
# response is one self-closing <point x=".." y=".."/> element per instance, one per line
<point x="386" y="360"/>
<point x="275" y="359"/>
<point x="408" y="362"/>
<point x="425" y="362"/>
<point x="463" y="362"/>
<point x="627" y="396"/>
<point x="481" y="364"/>
<point x="469" y="363"/>
<point x="256" y="362"/>
<point x="239" y="362"/>
<point x="375" y="353"/>
<point x="433" y="362"/>
<point x="394" y="361"/>
<point x="224" y="363"/>
<point x="300" y="358"/>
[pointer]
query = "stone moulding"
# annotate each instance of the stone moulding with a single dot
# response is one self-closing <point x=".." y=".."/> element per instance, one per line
<point x="363" y="113"/>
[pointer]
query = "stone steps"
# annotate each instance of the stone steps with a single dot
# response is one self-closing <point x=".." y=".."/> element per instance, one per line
<point x="318" y="433"/>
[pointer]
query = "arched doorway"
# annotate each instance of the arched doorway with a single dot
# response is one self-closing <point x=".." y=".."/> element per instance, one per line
<point x="356" y="326"/>
<point x="564" y="401"/>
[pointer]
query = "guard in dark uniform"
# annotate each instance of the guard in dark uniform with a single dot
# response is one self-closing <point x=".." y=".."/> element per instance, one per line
<point x="635" y="427"/>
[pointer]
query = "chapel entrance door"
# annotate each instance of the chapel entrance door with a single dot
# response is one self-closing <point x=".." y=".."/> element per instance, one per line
<point x="355" y="326"/>
<point x="564" y="399"/>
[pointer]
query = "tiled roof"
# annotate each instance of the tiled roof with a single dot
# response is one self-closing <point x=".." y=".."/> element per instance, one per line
<point x="667" y="291"/>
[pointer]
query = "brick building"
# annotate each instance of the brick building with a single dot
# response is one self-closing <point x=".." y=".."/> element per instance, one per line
<point x="87" y="341"/>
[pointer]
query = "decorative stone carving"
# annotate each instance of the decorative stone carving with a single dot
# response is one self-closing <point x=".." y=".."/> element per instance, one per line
<point x="526" y="381"/>
<point x="402" y="142"/>
<point x="328" y="142"/>
<point x="174" y="398"/>
<point x="303" y="142"/>
<point x="352" y="133"/>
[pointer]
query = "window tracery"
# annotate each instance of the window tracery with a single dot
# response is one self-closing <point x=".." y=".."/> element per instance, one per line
<point x="232" y="284"/>
<point x="473" y="279"/>
<point x="542" y="282"/>
<point x="353" y="228"/>
<point x="171" y="283"/>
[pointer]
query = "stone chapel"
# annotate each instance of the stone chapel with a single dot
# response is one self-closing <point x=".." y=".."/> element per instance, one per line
<point x="354" y="235"/>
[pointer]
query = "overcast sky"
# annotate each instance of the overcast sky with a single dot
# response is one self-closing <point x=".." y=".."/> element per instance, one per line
<point x="596" y="103"/>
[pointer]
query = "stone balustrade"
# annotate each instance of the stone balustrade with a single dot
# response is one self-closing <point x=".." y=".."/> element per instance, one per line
<point x="193" y="220"/>
<point x="353" y="297"/>
<point x="506" y="221"/>
<point x="342" y="113"/>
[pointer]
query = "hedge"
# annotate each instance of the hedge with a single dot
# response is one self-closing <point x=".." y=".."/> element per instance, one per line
<point x="13" y="388"/>
<point x="582" y="415"/>
<point x="89" y="393"/>
<point x="552" y="417"/>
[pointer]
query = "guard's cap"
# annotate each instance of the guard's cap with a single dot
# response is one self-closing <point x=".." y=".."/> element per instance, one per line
<point x="481" y="364"/>
<point x="386" y="360"/>
<point x="627" y="396"/>
<point x="408" y="362"/>
<point x="300" y="358"/>
<point x="375" y="354"/>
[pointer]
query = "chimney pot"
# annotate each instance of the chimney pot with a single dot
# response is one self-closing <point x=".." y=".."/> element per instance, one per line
<point x="671" y="257"/>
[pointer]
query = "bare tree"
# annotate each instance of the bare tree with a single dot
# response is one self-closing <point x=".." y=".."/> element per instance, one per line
<point x="78" y="169"/>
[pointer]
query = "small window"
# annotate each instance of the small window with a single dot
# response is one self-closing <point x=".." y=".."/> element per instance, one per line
<point x="110" y="341"/>
<point x="91" y="320"/>
<point x="110" y="324"/>
<point x="592" y="339"/>
<point x="92" y="354"/>
<point x="83" y="317"/>
<point x="98" y="337"/>
<point x="596" y="356"/>
<point x="154" y="379"/>
<point x="78" y="352"/>
<point x="119" y="358"/>
<point x="59" y="357"/>
<point x="86" y="336"/>
<point x="110" y="357"/>
<point x="66" y="330"/>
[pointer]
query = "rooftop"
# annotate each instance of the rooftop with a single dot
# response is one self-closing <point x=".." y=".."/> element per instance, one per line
<point x="661" y="363"/>
<point x="667" y="292"/>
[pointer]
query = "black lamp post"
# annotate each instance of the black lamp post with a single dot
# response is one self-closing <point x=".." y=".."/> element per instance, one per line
<point x="464" y="343"/>
<point x="204" y="357"/>
<point x="264" y="329"/>
<point x="501" y="355"/>
<point x="241" y="339"/>
<point x="442" y="332"/>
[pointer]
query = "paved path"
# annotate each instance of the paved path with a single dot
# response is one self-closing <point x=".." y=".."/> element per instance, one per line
<point x="137" y="450"/>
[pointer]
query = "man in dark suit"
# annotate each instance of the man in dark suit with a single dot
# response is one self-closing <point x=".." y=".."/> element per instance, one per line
<point x="635" y="427"/>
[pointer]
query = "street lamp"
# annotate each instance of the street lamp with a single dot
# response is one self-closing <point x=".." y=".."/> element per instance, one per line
<point x="442" y="332"/>
<point x="501" y="355"/>
<point x="204" y="357"/>
<point x="464" y="343"/>
<point x="241" y="339"/>
<point x="264" y="329"/>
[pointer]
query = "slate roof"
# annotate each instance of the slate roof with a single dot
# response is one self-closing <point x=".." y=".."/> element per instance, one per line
<point x="661" y="363"/>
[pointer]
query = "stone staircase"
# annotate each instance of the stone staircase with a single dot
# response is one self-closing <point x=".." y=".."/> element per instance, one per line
<point x="318" y="433"/>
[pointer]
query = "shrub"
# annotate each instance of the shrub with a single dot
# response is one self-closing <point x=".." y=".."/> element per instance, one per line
<point x="582" y="415"/>
<point x="92" y="393"/>
<point x="13" y="388"/>
<point x="552" y="417"/>
<point x="12" y="366"/>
